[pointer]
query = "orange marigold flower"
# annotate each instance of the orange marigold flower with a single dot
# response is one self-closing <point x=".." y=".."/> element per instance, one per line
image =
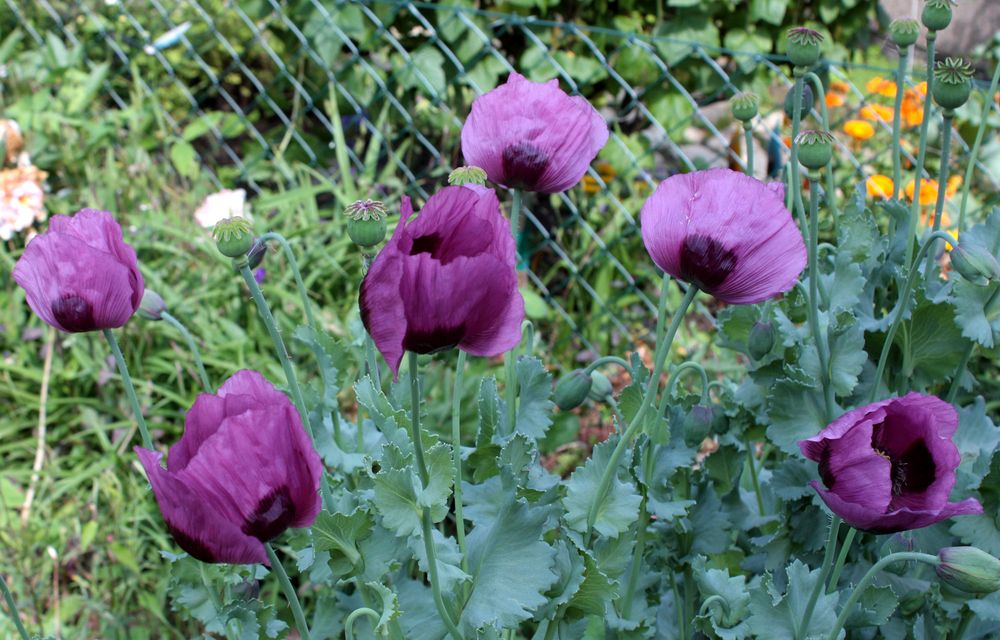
<point x="928" y="191"/>
<point x="859" y="129"/>
<point x="920" y="88"/>
<point x="879" y="186"/>
<point x="876" y="112"/>
<point x="589" y="185"/>
<point x="834" y="100"/>
<point x="839" y="86"/>
<point x="605" y="170"/>
<point x="954" y="184"/>
<point x="912" y="110"/>
<point x="881" y="86"/>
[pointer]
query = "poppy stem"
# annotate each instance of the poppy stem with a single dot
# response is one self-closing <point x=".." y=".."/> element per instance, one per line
<point x="899" y="556"/>
<point x="663" y="343"/>
<point x="831" y="187"/>
<point x="748" y="135"/>
<point x="147" y="442"/>
<point x="922" y="153"/>
<point x="897" y="152"/>
<point x="822" y="344"/>
<point x="838" y="566"/>
<point x="192" y="347"/>
<point x="456" y="453"/>
<point x="974" y="154"/>
<point x="289" y="591"/>
<point x="753" y="476"/>
<point x="901" y="305"/>
<point x="425" y="515"/>
<point x="831" y="546"/>
<point x="640" y="540"/>
<point x="510" y="358"/>
<point x="12" y="610"/>
<point x="608" y="360"/>
<point x="675" y="377"/>
<point x="357" y="613"/>
<point x="949" y="116"/>
<point x="294" y="265"/>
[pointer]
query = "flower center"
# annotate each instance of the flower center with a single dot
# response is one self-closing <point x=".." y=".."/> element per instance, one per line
<point x="74" y="313"/>
<point x="430" y="243"/>
<point x="705" y="262"/>
<point x="272" y="516"/>
<point x="523" y="165"/>
<point x="913" y="471"/>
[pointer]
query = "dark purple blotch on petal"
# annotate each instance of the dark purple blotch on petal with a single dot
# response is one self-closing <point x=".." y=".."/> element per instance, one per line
<point x="274" y="513"/>
<point x="433" y="341"/>
<point x="195" y="547"/>
<point x="429" y="243"/>
<point x="706" y="262"/>
<point x="523" y="165"/>
<point x="74" y="313"/>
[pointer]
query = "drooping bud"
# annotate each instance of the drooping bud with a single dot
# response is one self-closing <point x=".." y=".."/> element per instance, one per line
<point x="936" y="14"/>
<point x="969" y="569"/>
<point x="256" y="254"/>
<point x="233" y="237"/>
<point x="808" y="100"/>
<point x="467" y="175"/>
<point x="600" y="387"/>
<point x="572" y="389"/>
<point x="152" y="306"/>
<point x="975" y="263"/>
<point x="952" y="83"/>
<point x="698" y="424"/>
<point x="760" y="341"/>
<point x="815" y="148"/>
<point x="366" y="222"/>
<point x="904" y="32"/>
<point x="744" y="106"/>
<point x="803" y="46"/>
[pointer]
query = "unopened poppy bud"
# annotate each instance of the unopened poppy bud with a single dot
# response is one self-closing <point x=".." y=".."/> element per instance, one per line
<point x="975" y="263"/>
<point x="256" y="254"/>
<point x="815" y="148"/>
<point x="936" y="14"/>
<point x="969" y="569"/>
<point x="744" y="106"/>
<point x="467" y="175"/>
<point x="760" y="341"/>
<point x="698" y="424"/>
<point x="952" y="83"/>
<point x="233" y="237"/>
<point x="366" y="222"/>
<point x="572" y="389"/>
<point x="808" y="99"/>
<point x="152" y="306"/>
<point x="904" y="32"/>
<point x="600" y="387"/>
<point x="803" y="46"/>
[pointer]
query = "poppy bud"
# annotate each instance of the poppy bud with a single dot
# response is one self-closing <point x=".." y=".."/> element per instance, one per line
<point x="803" y="46"/>
<point x="761" y="339"/>
<point x="152" y="306"/>
<point x="815" y="148"/>
<point x="698" y="424"/>
<point x="952" y="83"/>
<point x="808" y="99"/>
<point x="600" y="387"/>
<point x="467" y="175"/>
<point x="256" y="254"/>
<point x="366" y="223"/>
<point x="744" y="106"/>
<point x="904" y="32"/>
<point x="232" y="236"/>
<point x="572" y="389"/>
<point x="936" y="14"/>
<point x="969" y="569"/>
<point x="976" y="264"/>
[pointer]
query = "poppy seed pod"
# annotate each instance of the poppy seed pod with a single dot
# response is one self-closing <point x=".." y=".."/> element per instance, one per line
<point x="744" y="106"/>
<point x="80" y="275"/>
<point x="366" y="223"/>
<point x="952" y="83"/>
<point x="803" y="46"/>
<point x="572" y="389"/>
<point x="233" y="237"/>
<point x="936" y="14"/>
<point x="815" y="148"/>
<point x="969" y="569"/>
<point x="532" y="135"/>
<point x="467" y="175"/>
<point x="904" y="32"/>
<point x="243" y="472"/>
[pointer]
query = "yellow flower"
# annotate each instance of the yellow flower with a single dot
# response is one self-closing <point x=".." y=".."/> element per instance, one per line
<point x="834" y="100"/>
<point x="839" y="86"/>
<point x="879" y="186"/>
<point x="954" y="184"/>
<point x="881" y="86"/>
<point x="876" y="112"/>
<point x="859" y="129"/>
<point x="928" y="191"/>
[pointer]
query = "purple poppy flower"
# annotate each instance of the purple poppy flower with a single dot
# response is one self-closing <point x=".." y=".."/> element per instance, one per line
<point x="80" y="275"/>
<point x="532" y="135"/>
<point x="889" y="466"/>
<point x="725" y="232"/>
<point x="243" y="472"/>
<point x="445" y="279"/>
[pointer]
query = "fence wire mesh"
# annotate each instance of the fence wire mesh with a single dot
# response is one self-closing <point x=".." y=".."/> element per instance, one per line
<point x="269" y="83"/>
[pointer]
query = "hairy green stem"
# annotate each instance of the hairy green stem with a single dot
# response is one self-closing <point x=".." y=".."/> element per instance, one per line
<point x="456" y="455"/>
<point x="12" y="610"/>
<point x="192" y="347"/>
<point x="822" y="346"/>
<point x="831" y="187"/>
<point x="753" y="476"/>
<point x="974" y="154"/>
<point x="357" y="613"/>
<point x="638" y="551"/>
<point x="956" y="379"/>
<point x="838" y="566"/>
<point x="299" y="284"/>
<point x="147" y="442"/>
<point x="949" y="116"/>
<point x="900" y="556"/>
<point x="748" y="134"/>
<point x="425" y="516"/>
<point x="901" y="305"/>
<point x="922" y="153"/>
<point x="663" y="344"/>
<point x="793" y="163"/>
<point x="289" y="591"/>
<point x="510" y="358"/>
<point x="690" y="365"/>
<point x="897" y="151"/>
<point x="609" y="360"/>
<point x="831" y="546"/>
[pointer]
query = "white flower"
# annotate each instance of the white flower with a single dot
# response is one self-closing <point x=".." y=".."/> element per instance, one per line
<point x="228" y="203"/>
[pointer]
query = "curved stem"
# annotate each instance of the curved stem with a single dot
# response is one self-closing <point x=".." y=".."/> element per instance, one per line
<point x="690" y="365"/>
<point x="713" y="599"/>
<point x="663" y="343"/>
<point x="949" y="115"/>
<point x="748" y="134"/>
<point x="354" y="615"/>
<point x="838" y="566"/>
<point x="510" y="358"/>
<point x="900" y="556"/>
<point x="425" y="516"/>
<point x="192" y="347"/>
<point x="609" y="360"/>
<point x="456" y="453"/>
<point x="897" y="152"/>
<point x="289" y="591"/>
<point x="922" y="153"/>
<point x="293" y="263"/>
<point x="12" y="610"/>
<point x="831" y="546"/>
<point x="822" y="347"/>
<point x="147" y="442"/>
<point x="753" y="476"/>
<point x="974" y="154"/>
<point x="904" y="301"/>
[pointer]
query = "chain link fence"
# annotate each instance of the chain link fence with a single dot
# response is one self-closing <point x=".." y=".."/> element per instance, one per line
<point x="271" y="82"/>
